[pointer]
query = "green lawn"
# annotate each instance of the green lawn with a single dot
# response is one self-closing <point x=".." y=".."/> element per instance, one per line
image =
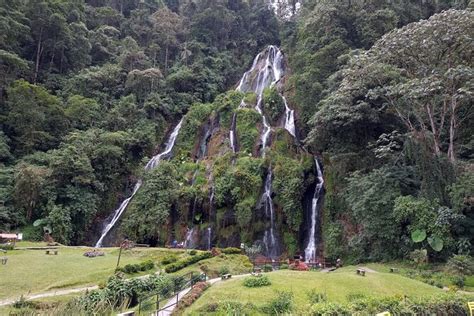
<point x="32" y="271"/>
<point x="336" y="285"/>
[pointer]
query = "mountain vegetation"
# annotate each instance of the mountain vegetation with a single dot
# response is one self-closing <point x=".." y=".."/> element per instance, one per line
<point x="382" y="93"/>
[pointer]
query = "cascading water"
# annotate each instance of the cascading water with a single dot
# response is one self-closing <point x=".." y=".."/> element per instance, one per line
<point x="266" y="71"/>
<point x="232" y="134"/>
<point x="311" y="248"/>
<point x="152" y="163"/>
<point x="209" y="238"/>
<point x="289" y="119"/>
<point x="270" y="238"/>
<point x="189" y="242"/>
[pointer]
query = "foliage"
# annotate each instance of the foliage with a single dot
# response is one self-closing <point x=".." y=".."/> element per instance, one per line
<point x="282" y="303"/>
<point x="437" y="305"/>
<point x="231" y="251"/>
<point x="169" y="259"/>
<point x="134" y="268"/>
<point x="461" y="264"/>
<point x="248" y="121"/>
<point x="257" y="281"/>
<point x="273" y="105"/>
<point x="151" y="206"/>
<point x="180" y="264"/>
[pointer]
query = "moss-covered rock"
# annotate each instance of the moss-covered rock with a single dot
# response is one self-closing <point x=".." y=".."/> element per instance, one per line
<point x="273" y="105"/>
<point x="248" y="133"/>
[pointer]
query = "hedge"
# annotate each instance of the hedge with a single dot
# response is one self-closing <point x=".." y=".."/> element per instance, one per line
<point x="183" y="263"/>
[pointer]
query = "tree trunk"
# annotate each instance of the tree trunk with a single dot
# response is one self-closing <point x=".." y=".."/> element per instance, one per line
<point x="452" y="130"/>
<point x="166" y="60"/>
<point x="434" y="131"/>
<point x="39" y="49"/>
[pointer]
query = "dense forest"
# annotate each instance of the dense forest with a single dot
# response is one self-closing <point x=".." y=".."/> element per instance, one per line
<point x="382" y="96"/>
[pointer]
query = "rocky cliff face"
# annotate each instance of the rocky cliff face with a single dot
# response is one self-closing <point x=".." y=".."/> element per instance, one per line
<point x="237" y="173"/>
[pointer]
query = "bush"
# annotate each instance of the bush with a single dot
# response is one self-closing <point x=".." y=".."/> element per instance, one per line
<point x="228" y="308"/>
<point x="442" y="305"/>
<point x="461" y="264"/>
<point x="257" y="281"/>
<point x="192" y="296"/>
<point x="315" y="297"/>
<point x="231" y="251"/>
<point x="169" y="259"/>
<point x="267" y="268"/>
<point x="134" y="268"/>
<point x="458" y="280"/>
<point x="283" y="303"/>
<point x="94" y="253"/>
<point x="224" y="270"/>
<point x="178" y="265"/>
<point x="284" y="267"/>
<point x="6" y="247"/>
<point x="193" y="252"/>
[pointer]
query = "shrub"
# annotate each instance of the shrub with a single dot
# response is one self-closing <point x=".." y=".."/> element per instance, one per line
<point x="169" y="259"/>
<point x="461" y="264"/>
<point x="257" y="281"/>
<point x="231" y="251"/>
<point x="183" y="263"/>
<point x="134" y="268"/>
<point x="192" y="296"/>
<point x="458" y="280"/>
<point x="442" y="305"/>
<point x="284" y="267"/>
<point x="315" y="297"/>
<point x="94" y="253"/>
<point x="6" y="247"/>
<point x="229" y="308"/>
<point x="283" y="303"/>
<point x="224" y="270"/>
<point x="192" y="252"/>
<point x="267" y="268"/>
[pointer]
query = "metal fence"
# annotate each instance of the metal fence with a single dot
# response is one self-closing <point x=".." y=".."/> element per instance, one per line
<point x="156" y="302"/>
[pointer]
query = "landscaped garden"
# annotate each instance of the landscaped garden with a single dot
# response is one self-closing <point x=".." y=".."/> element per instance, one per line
<point x="340" y="291"/>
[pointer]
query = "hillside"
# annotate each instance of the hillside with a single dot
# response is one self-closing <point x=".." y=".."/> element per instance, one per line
<point x="326" y="129"/>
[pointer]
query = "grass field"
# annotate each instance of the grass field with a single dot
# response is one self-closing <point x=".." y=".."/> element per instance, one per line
<point x="336" y="285"/>
<point x="32" y="271"/>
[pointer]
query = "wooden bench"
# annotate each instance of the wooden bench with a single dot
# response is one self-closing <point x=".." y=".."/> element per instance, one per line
<point x="394" y="270"/>
<point x="256" y="274"/>
<point x="51" y="252"/>
<point x="361" y="272"/>
<point x="4" y="260"/>
<point x="226" y="276"/>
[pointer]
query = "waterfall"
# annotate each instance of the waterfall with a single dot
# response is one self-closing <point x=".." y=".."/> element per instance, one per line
<point x="289" y="119"/>
<point x="232" y="133"/>
<point x="269" y="238"/>
<point x="154" y="161"/>
<point x="209" y="237"/>
<point x="188" y="242"/>
<point x="267" y="69"/>
<point x="311" y="248"/>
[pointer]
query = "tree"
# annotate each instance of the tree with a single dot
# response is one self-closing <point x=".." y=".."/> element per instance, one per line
<point x="167" y="27"/>
<point x="33" y="118"/>
<point x="435" y="56"/>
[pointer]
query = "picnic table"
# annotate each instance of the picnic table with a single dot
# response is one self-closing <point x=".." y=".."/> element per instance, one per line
<point x="361" y="272"/>
<point x="226" y="276"/>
